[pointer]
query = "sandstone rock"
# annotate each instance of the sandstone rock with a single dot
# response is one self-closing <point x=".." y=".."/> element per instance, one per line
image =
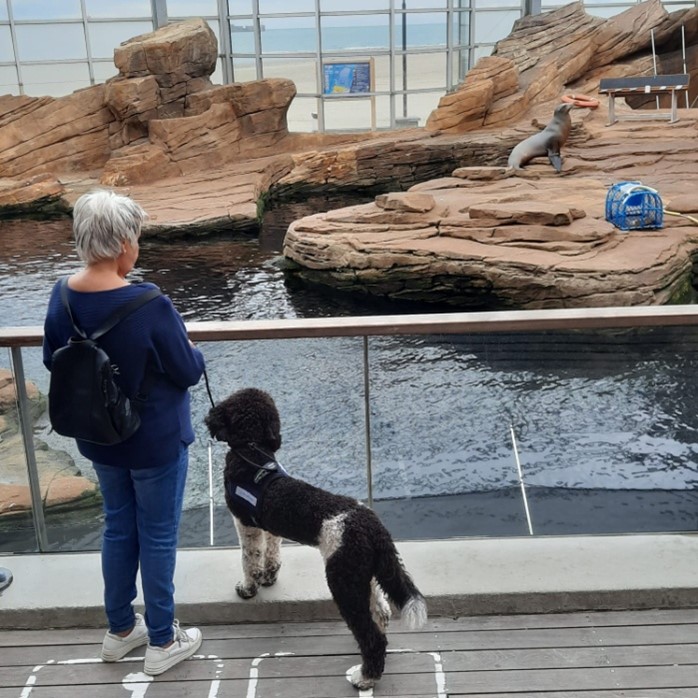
<point x="482" y="173"/>
<point x="174" y="53"/>
<point x="57" y="472"/>
<point x="685" y="203"/>
<point x="409" y="201"/>
<point x="40" y="193"/>
<point x="507" y="109"/>
<point x="16" y="499"/>
<point x="522" y="264"/>
<point x="464" y="109"/>
<point x="251" y="97"/>
<point x="133" y="98"/>
<point x="501" y="71"/>
<point x="628" y="32"/>
<point x="134" y="102"/>
<point x="8" y="394"/>
<point x="198" y="102"/>
<point x="580" y="237"/>
<point x="535" y="37"/>
<point x="69" y="134"/>
<point x="210" y="139"/>
<point x="534" y="213"/>
<point x="138" y="164"/>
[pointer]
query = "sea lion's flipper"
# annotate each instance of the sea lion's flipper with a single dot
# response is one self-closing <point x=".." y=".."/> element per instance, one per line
<point x="555" y="159"/>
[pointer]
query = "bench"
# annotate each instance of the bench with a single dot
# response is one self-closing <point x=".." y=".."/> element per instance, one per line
<point x="653" y="85"/>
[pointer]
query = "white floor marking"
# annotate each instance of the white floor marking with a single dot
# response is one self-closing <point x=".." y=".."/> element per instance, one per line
<point x="254" y="675"/>
<point x="26" y="691"/>
<point x="136" y="683"/>
<point x="216" y="683"/>
<point x="439" y="675"/>
<point x="254" y="671"/>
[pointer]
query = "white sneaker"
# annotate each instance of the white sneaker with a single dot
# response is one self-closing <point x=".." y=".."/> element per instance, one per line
<point x="114" y="647"/>
<point x="159" y="659"/>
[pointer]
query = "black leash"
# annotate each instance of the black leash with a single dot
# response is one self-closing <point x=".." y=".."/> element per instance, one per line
<point x="208" y="389"/>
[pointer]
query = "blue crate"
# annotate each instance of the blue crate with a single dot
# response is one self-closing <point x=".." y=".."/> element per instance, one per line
<point x="633" y="206"/>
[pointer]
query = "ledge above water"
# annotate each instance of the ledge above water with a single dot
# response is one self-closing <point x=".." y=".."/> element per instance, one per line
<point x="458" y="577"/>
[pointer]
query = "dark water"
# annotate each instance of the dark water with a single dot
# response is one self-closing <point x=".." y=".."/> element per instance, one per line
<point x="592" y="413"/>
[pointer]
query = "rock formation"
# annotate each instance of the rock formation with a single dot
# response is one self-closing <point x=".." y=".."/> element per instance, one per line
<point x="488" y="240"/>
<point x="568" y="50"/>
<point x="202" y="157"/>
<point x="539" y="240"/>
<point x="160" y="117"/>
<point x="59" y="478"/>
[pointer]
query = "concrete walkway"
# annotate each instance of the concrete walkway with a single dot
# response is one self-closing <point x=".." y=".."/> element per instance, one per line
<point x="458" y="577"/>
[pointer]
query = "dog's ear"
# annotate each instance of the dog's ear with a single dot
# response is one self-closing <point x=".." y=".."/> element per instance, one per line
<point x="216" y="423"/>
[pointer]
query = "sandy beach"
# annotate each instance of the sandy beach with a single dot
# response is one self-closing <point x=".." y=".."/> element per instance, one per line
<point x="425" y="71"/>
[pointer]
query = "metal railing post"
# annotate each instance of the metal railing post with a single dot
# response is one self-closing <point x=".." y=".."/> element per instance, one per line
<point x="367" y="420"/>
<point x="25" y="425"/>
<point x="158" y="9"/>
<point x="225" y="50"/>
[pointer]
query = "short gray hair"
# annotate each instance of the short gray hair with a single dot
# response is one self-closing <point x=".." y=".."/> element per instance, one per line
<point x="102" y="221"/>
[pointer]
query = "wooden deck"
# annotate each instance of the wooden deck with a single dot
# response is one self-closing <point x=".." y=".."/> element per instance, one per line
<point x="641" y="654"/>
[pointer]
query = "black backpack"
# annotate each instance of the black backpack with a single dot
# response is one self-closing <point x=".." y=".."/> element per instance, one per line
<point x="84" y="401"/>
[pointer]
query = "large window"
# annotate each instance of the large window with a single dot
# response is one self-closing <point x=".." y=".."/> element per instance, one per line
<point x="418" y="49"/>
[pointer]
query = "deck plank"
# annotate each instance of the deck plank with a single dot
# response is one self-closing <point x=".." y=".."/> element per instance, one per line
<point x="653" y="693"/>
<point x="245" y="630"/>
<point x="640" y="654"/>
<point x="425" y="641"/>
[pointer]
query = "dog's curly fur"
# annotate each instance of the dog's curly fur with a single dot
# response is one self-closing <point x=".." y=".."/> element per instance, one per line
<point x="361" y="562"/>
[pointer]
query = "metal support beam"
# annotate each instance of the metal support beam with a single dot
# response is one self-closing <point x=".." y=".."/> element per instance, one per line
<point x="225" y="49"/>
<point x="25" y="425"/>
<point x="159" y="9"/>
<point x="367" y="422"/>
<point x="532" y="7"/>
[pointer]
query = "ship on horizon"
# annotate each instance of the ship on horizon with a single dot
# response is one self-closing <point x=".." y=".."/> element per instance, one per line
<point x="244" y="27"/>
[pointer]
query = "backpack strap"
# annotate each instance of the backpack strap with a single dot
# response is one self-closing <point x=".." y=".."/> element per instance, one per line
<point x="66" y="305"/>
<point x="115" y="318"/>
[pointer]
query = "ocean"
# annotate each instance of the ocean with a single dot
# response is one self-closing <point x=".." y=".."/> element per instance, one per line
<point x="358" y="38"/>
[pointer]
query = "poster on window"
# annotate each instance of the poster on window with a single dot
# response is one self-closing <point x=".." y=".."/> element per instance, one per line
<point x="346" y="78"/>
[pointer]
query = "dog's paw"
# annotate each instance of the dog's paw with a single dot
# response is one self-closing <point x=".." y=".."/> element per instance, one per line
<point x="358" y="680"/>
<point x="245" y="592"/>
<point x="270" y="575"/>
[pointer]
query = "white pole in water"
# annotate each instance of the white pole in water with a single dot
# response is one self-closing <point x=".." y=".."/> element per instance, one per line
<point x="683" y="50"/>
<point x="210" y="493"/>
<point x="654" y="61"/>
<point x="521" y="481"/>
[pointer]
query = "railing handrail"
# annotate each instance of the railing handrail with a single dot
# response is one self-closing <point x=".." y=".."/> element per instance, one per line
<point x="434" y="323"/>
<point x="437" y="323"/>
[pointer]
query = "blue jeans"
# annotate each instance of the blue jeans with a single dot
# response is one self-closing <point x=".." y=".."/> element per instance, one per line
<point x="142" y="509"/>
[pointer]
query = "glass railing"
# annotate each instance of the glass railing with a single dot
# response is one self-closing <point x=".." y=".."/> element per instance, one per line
<point x="450" y="425"/>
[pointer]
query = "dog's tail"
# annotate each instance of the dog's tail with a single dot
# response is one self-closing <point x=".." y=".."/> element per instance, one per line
<point x="397" y="583"/>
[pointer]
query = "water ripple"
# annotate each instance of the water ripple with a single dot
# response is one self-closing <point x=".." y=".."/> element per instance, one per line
<point x="590" y="410"/>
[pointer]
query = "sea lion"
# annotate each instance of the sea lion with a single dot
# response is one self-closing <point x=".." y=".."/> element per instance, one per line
<point x="546" y="142"/>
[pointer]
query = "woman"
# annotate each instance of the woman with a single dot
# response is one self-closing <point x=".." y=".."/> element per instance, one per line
<point x="141" y="479"/>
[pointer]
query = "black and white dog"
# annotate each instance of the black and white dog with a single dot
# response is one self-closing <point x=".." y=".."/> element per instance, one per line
<point x="361" y="562"/>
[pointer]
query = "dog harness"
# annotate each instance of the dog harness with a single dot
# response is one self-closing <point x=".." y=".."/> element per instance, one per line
<point x="249" y="492"/>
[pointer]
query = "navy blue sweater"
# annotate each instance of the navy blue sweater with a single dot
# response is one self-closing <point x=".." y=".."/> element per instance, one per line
<point x="152" y="339"/>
